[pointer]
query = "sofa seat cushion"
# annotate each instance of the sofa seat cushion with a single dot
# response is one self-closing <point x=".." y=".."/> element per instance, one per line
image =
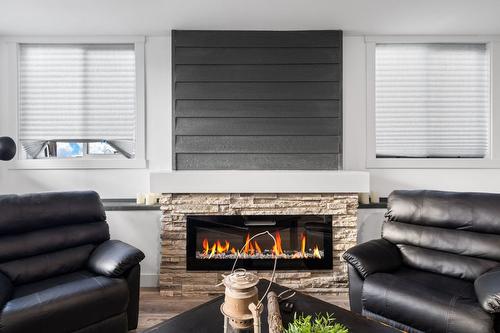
<point x="64" y="304"/>
<point x="426" y="301"/>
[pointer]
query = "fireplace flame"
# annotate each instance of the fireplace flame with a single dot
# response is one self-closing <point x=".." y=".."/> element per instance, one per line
<point x="251" y="250"/>
<point x="221" y="249"/>
<point x="247" y="244"/>
<point x="303" y="244"/>
<point x="206" y="247"/>
<point x="257" y="247"/>
<point x="212" y="251"/>
<point x="316" y="253"/>
<point x="277" y="249"/>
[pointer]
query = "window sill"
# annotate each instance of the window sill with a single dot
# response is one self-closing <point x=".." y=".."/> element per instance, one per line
<point x="432" y="163"/>
<point x="76" y="164"/>
<point x="126" y="205"/>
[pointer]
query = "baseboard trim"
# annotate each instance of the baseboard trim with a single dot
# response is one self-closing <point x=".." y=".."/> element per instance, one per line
<point x="149" y="280"/>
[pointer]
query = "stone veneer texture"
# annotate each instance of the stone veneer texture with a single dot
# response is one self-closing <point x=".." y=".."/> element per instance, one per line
<point x="175" y="280"/>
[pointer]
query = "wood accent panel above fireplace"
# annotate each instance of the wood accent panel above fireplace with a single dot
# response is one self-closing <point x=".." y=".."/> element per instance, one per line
<point x="257" y="100"/>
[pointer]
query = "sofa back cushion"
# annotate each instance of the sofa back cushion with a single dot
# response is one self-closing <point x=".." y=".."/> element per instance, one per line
<point x="451" y="233"/>
<point x="23" y="213"/>
<point x="47" y="234"/>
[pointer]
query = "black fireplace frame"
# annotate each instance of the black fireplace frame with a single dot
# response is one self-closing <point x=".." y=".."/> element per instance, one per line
<point x="194" y="264"/>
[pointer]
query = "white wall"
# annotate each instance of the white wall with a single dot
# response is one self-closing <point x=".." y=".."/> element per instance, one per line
<point x="369" y="224"/>
<point x="115" y="17"/>
<point x="140" y="229"/>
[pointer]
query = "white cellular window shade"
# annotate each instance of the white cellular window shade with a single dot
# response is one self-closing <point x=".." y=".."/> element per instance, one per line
<point x="432" y="100"/>
<point x="77" y="92"/>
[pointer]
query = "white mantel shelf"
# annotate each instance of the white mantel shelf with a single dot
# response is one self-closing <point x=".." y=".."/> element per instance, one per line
<point x="259" y="182"/>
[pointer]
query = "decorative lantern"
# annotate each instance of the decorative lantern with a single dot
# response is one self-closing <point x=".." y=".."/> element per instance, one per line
<point x="242" y="308"/>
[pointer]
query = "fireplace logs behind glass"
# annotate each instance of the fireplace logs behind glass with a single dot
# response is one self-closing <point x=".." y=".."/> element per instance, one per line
<point x="302" y="241"/>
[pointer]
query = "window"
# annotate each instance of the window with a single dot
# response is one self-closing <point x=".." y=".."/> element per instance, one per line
<point x="79" y="101"/>
<point x="431" y="100"/>
<point x="72" y="149"/>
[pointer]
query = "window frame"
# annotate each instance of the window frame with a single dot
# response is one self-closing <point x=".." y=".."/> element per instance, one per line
<point x="491" y="160"/>
<point x="138" y="162"/>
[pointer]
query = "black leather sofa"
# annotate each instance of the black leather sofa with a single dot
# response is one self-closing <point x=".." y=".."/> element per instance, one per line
<point x="59" y="272"/>
<point x="436" y="267"/>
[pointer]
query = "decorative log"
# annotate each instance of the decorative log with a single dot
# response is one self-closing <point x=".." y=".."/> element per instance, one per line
<point x="273" y="313"/>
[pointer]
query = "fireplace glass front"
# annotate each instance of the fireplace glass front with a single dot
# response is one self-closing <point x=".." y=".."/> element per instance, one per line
<point x="302" y="242"/>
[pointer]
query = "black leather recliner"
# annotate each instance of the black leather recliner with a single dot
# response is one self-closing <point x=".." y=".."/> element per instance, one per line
<point x="59" y="272"/>
<point x="437" y="266"/>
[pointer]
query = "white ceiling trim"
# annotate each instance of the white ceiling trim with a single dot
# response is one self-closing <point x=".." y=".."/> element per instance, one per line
<point x="158" y="17"/>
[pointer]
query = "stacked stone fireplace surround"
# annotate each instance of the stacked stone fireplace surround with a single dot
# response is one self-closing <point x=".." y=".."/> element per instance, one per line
<point x="175" y="280"/>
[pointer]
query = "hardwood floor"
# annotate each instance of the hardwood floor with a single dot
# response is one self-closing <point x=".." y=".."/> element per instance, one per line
<point x="154" y="309"/>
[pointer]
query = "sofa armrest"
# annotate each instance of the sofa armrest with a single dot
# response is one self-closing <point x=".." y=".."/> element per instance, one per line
<point x="487" y="288"/>
<point x="374" y="256"/>
<point x="113" y="258"/>
<point x="5" y="290"/>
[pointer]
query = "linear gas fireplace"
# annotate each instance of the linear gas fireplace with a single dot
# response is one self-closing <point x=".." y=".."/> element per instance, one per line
<point x="191" y="266"/>
<point x="302" y="241"/>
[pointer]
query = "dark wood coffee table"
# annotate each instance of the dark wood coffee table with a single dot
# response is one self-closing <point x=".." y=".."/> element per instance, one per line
<point x="207" y="318"/>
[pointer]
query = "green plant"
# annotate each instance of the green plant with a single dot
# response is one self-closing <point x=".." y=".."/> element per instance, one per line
<point x="320" y="324"/>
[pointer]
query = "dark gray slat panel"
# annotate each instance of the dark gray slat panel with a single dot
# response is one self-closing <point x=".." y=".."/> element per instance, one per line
<point x="262" y="56"/>
<point x="257" y="126"/>
<point x="257" y="144"/>
<point x="235" y="106"/>
<point x="310" y="72"/>
<point x="224" y="108"/>
<point x="203" y="38"/>
<point x="257" y="161"/>
<point x="240" y="56"/>
<point x="254" y="90"/>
